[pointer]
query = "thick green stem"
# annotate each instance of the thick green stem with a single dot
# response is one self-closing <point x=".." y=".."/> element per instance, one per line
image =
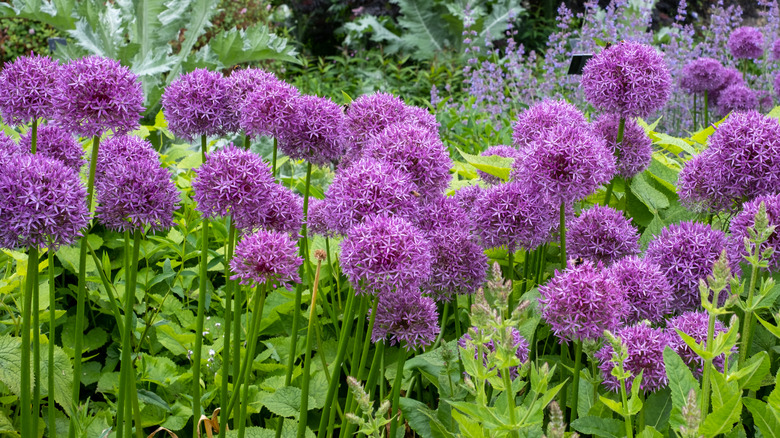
<point x="706" y="109"/>
<point x="52" y="316"/>
<point x="456" y="315"/>
<point x="273" y="158"/>
<point x="576" y="380"/>
<point x="563" y="235"/>
<point x="229" y="287"/>
<point x="26" y="380"/>
<point x="695" y="126"/>
<point x="608" y="193"/>
<point x="307" y="356"/>
<point x="346" y="426"/>
<point x="127" y="361"/>
<point x="399" y="377"/>
<point x="238" y="304"/>
<point x="247" y="143"/>
<point x="36" y="345"/>
<point x="34" y="136"/>
<point x="510" y="400"/>
<point x="509" y="300"/>
<point x="202" y="289"/>
<point x="747" y="325"/>
<point x="246" y="368"/>
<point x="82" y="293"/>
<point x="626" y="416"/>
<point x="706" y="375"/>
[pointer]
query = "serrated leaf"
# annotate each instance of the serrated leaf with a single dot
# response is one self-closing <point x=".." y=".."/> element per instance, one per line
<point x="681" y="382"/>
<point x="494" y="165"/>
<point x="423" y="28"/>
<point x="11" y="363"/>
<point x="495" y="24"/>
<point x="753" y="372"/>
<point x="599" y="427"/>
<point x="63" y="376"/>
<point x="658" y="405"/>
<point x="765" y="420"/>
<point x="255" y="43"/>
<point x="722" y="420"/>
<point x="285" y="402"/>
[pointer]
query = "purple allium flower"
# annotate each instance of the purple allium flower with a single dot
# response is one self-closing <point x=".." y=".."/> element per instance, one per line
<point x="55" y="142"/>
<point x="686" y="252"/>
<point x="42" y="203"/>
<point x="731" y="76"/>
<point x="269" y="257"/>
<point x="702" y="74"/>
<point x="199" y="103"/>
<point x="241" y="83"/>
<point x="746" y="219"/>
<point x="581" y="302"/>
<point x="27" y="88"/>
<point x="408" y="318"/>
<point x="628" y="78"/>
<point x="467" y="198"/>
<point x="776" y="50"/>
<point x="635" y="151"/>
<point x="648" y="292"/>
<point x="514" y="215"/>
<point x="421" y="116"/>
<point x="9" y="148"/>
<point x="645" y="346"/>
<point x="441" y="218"/>
<point x="695" y="325"/>
<point x="385" y="254"/>
<point x="700" y="186"/>
<point x="416" y="151"/>
<point x="317" y="133"/>
<point x="317" y="217"/>
<point x="369" y="187"/>
<point x="269" y="109"/>
<point x="601" y="234"/>
<point x="370" y="114"/>
<point x="233" y="181"/>
<point x="124" y="148"/>
<point x="746" y="43"/>
<point x="459" y="268"/>
<point x="519" y="342"/>
<point x="500" y="151"/>
<point x="133" y="194"/>
<point x="568" y="163"/>
<point x="97" y="94"/>
<point x="542" y="117"/>
<point x="280" y="209"/>
<point x="736" y="97"/>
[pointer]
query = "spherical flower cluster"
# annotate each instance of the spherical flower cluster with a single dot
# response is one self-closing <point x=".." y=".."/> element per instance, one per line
<point x="442" y="218"/>
<point x="737" y="97"/>
<point x="601" y="234"/>
<point x="686" y="252"/>
<point x="648" y="292"/>
<point x="54" y="142"/>
<point x="385" y="254"/>
<point x="317" y="217"/>
<point x="497" y="151"/>
<point x="42" y="203"/>
<point x="269" y="109"/>
<point x="581" y="302"/>
<point x="317" y="131"/>
<point x="269" y="257"/>
<point x="422" y="117"/>
<point x="96" y="94"/>
<point x="628" y="78"/>
<point x="747" y="219"/>
<point x="241" y="83"/>
<point x="746" y="43"/>
<point x="468" y="198"/>
<point x="731" y="76"/>
<point x="408" y="318"/>
<point x="702" y="75"/>
<point x="459" y="268"/>
<point x="370" y="114"/>
<point x="645" y="346"/>
<point x="369" y="187"/>
<point x="233" y="181"/>
<point x="134" y="194"/>
<point x="198" y="103"/>
<point x="776" y="50"/>
<point x="695" y="325"/>
<point x="542" y="117"/>
<point x="635" y="151"/>
<point x="700" y="187"/>
<point x="127" y="148"/>
<point x="27" y="87"/>
<point x="416" y="151"/>
<point x="518" y="342"/>
<point x="514" y="215"/>
<point x="9" y="148"/>
<point x="284" y="212"/>
<point x="568" y="163"/>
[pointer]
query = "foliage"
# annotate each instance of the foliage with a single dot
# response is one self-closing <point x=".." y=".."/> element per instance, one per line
<point x="20" y="36"/>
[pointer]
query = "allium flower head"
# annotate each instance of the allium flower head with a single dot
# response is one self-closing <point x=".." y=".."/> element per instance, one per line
<point x="241" y="83"/>
<point x="370" y="114"/>
<point x="700" y="186"/>
<point x="628" y="78"/>
<point x="441" y="218"/>
<point x="581" y="302"/>
<point x="645" y="346"/>
<point x="269" y="109"/>
<point x="317" y="218"/>
<point x="27" y="87"/>
<point x="233" y="181"/>
<point x="280" y="209"/>
<point x="269" y="257"/>
<point x="695" y="325"/>
<point x="702" y="74"/>
<point x="467" y="198"/>
<point x="317" y="133"/>
<point x="97" y="94"/>
<point x="542" y="117"/>
<point x="602" y="234"/>
<point x="648" y="292"/>
<point x="198" y="103"/>
<point x="133" y="194"/>
<point x="459" y="268"/>
<point x="385" y="254"/>
<point x="9" y="148"/>
<point x="514" y="215"/>
<point x="416" y="151"/>
<point x="776" y="83"/>
<point x="737" y="97"/>
<point x="731" y="76"/>
<point x="408" y="318"/>
<point x="500" y="151"/>
<point x="746" y="43"/>
<point x="747" y="219"/>
<point x="420" y="116"/>
<point x="124" y="148"/>
<point x="568" y="163"/>
<point x="686" y="252"/>
<point x="369" y="187"/>
<point x="635" y="151"/>
<point x="519" y="342"/>
<point x="55" y="142"/>
<point x="42" y="203"/>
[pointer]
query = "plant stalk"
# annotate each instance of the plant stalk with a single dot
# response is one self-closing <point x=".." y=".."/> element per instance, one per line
<point x="229" y="288"/>
<point x="576" y="380"/>
<point x="307" y="356"/>
<point x="563" y="235"/>
<point x="202" y="290"/>
<point x="26" y="378"/>
<point x="246" y="369"/>
<point x="747" y="325"/>
<point x="399" y="376"/>
<point x="52" y="316"/>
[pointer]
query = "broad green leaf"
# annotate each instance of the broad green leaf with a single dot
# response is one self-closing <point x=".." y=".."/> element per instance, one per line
<point x="422" y="419"/>
<point x="774" y="113"/>
<point x="600" y="427"/>
<point x="765" y="420"/>
<point x="722" y="391"/>
<point x="63" y="376"/>
<point x="285" y="402"/>
<point x="775" y="330"/>
<point x="658" y="405"/>
<point x="681" y="382"/>
<point x="649" y="432"/>
<point x="198" y="16"/>
<point x="647" y="194"/>
<point x="150" y="398"/>
<point x="6" y="427"/>
<point x="179" y="415"/>
<point x="469" y="427"/>
<point x="774" y="396"/>
<point x="722" y="420"/>
<point x="673" y="144"/>
<point x="494" y="165"/>
<point x="424" y="30"/>
<point x="752" y="374"/>
<point x="11" y="363"/>
<point x="616" y="406"/>
<point x="255" y="43"/>
<point x="660" y="169"/>
<point x="495" y="24"/>
<point x="653" y="229"/>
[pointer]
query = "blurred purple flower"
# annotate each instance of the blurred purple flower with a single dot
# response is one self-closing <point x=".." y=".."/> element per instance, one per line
<point x="268" y="257"/>
<point x="542" y="117"/>
<point x="27" y="88"/>
<point x="731" y="76"/>
<point x="746" y="43"/>
<point x="408" y="318"/>
<point x="746" y="219"/>
<point x="695" y="325"/>
<point x="702" y="74"/>
<point x="9" y="148"/>
<point x="645" y="347"/>
<point x="601" y="234"/>
<point x="776" y="50"/>
<point x="500" y="151"/>
<point x="519" y="342"/>
<point x="634" y="153"/>
<point x="198" y="103"/>
<point x="317" y="131"/>
<point x="55" y="142"/>
<point x="736" y="97"/>
<point x="648" y="292"/>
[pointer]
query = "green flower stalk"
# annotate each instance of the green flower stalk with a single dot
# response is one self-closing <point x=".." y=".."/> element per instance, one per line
<point x="320" y="256"/>
<point x="202" y="289"/>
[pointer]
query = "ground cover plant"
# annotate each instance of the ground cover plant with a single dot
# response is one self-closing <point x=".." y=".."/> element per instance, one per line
<point x="252" y="252"/>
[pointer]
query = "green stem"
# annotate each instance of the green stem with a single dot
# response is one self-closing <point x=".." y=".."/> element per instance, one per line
<point x="706" y="376"/>
<point x="747" y="325"/>
<point x="307" y="356"/>
<point x="456" y="315"/>
<point x="36" y="345"/>
<point x="706" y="110"/>
<point x="608" y="193"/>
<point x="576" y="380"/>
<point x="32" y="268"/>
<point x="34" y="136"/>
<point x="273" y="158"/>
<point x="229" y="287"/>
<point x="510" y="400"/>
<point x="52" y="317"/>
<point x="511" y="277"/>
<point x="82" y="293"/>
<point x="346" y="426"/>
<point x="695" y="126"/>
<point x="527" y="255"/>
<point x="238" y="304"/>
<point x="202" y="290"/>
<point x="373" y="373"/>
<point x="640" y="424"/>
<point x="125" y="399"/>
<point x="626" y="416"/>
<point x="123" y="383"/>
<point x="246" y="369"/>
<point x="563" y="235"/>
<point x="399" y="376"/>
<point x="247" y="143"/>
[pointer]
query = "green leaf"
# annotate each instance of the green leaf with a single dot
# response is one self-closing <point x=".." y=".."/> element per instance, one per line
<point x="647" y="194"/>
<point x="765" y="420"/>
<point x="255" y="43"/>
<point x="657" y="408"/>
<point x="469" y="427"/>
<point x="752" y="374"/>
<point x="423" y="420"/>
<point x="494" y="165"/>
<point x="673" y="144"/>
<point x="285" y="402"/>
<point x="681" y="382"/>
<point x="495" y="24"/>
<point x="614" y="405"/>
<point x="424" y="30"/>
<point x="11" y="363"/>
<point x="649" y="432"/>
<point x="722" y="420"/>
<point x="6" y="427"/>
<point x="63" y="376"/>
<point x="153" y="399"/>
<point x="722" y="390"/>
<point x="198" y="16"/>
<point x="599" y="427"/>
